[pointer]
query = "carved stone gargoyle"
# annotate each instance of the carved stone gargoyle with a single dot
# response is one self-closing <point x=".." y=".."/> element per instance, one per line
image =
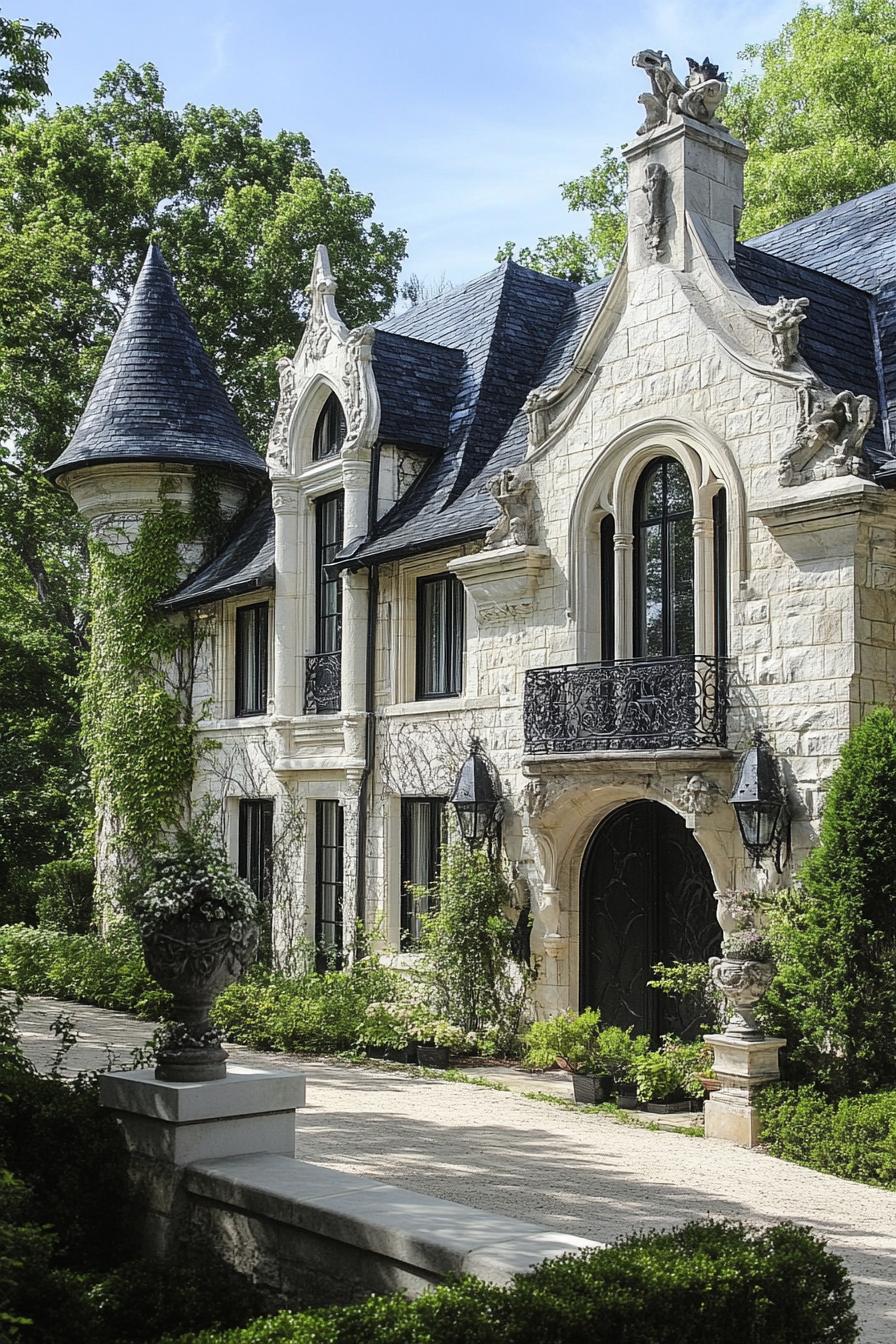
<point x="699" y="97"/>
<point x="830" y="436"/>
<point x="784" y="321"/>
<point x="512" y="490"/>
<point x="654" y="187"/>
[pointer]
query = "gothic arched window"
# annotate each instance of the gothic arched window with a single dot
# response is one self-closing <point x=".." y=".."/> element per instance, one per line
<point x="330" y="430"/>
<point x="664" y="562"/>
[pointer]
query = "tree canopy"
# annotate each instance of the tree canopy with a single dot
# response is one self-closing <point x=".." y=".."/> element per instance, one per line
<point x="816" y="108"/>
<point x="83" y="189"/>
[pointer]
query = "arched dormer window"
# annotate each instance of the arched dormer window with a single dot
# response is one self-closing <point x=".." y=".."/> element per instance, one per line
<point x="664" y="562"/>
<point x="330" y="430"/>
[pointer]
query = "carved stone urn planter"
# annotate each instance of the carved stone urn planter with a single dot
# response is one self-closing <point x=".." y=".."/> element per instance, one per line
<point x="195" y="958"/>
<point x="743" y="983"/>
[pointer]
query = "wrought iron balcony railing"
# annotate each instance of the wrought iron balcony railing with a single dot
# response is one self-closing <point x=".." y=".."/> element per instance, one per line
<point x="323" y="683"/>
<point x="635" y="704"/>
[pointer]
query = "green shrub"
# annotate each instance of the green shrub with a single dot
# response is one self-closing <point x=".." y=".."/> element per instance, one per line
<point x="577" y="1040"/>
<point x="853" y="1137"/>
<point x="271" y="1011"/>
<point x="109" y="972"/>
<point x="778" y="1286"/>
<point x="673" y="1072"/>
<point x="64" y="895"/>
<point x="467" y="967"/>
<point x="834" y="996"/>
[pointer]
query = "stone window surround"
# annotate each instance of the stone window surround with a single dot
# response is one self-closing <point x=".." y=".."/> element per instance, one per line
<point x="403" y="672"/>
<point x="610" y="488"/>
<point x="224" y="658"/>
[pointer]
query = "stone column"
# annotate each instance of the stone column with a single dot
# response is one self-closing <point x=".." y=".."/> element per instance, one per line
<point x="623" y="548"/>
<point x="742" y="1067"/>
<point x="704" y="587"/>
<point x="286" y="623"/>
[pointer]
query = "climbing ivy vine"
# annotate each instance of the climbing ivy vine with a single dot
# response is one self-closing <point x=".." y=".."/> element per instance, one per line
<point x="139" y="731"/>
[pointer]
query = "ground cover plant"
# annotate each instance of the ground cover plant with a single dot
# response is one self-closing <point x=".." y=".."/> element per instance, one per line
<point x="773" y="1287"/>
<point x="853" y="1137"/>
<point x="83" y="968"/>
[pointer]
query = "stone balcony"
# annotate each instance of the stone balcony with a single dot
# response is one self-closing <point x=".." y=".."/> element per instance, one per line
<point x="627" y="705"/>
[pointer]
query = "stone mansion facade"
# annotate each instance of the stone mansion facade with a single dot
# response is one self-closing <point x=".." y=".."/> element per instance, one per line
<point x="609" y="529"/>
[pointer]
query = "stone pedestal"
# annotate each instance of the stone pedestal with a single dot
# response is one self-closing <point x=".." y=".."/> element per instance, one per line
<point x="742" y="1067"/>
<point x="167" y="1126"/>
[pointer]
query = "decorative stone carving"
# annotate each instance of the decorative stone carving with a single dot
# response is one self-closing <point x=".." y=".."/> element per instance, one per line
<point x="654" y="187"/>
<point x="536" y="408"/>
<point x="535" y="797"/>
<point x="830" y="437"/>
<point x="784" y="325"/>
<point x="502" y="581"/>
<point x="359" y="351"/>
<point x="278" y="441"/>
<point x="699" y="97"/>
<point x="512" y="491"/>
<point x="697" y="795"/>
<point x="322" y="316"/>
<point x="743" y="984"/>
<point x="195" y="959"/>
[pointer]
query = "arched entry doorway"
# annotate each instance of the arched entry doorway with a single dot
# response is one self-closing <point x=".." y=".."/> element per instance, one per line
<point x="646" y="896"/>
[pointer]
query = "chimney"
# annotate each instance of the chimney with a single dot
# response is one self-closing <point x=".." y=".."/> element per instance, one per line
<point x="682" y="161"/>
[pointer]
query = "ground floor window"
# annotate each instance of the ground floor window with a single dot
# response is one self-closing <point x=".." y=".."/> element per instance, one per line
<point x="422" y="838"/>
<point x="328" y="882"/>
<point x="255" y="863"/>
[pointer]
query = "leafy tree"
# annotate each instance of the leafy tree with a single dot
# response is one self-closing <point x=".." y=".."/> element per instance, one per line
<point x="835" y="933"/>
<point x="818" y="117"/>
<point x="82" y="191"/>
<point x="584" y="257"/>
<point x="24" y="62"/>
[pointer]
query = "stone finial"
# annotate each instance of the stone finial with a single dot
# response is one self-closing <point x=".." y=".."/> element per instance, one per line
<point x="830" y="437"/>
<point x="512" y="491"/>
<point x="699" y="97"/>
<point x="784" y="325"/>
<point x="654" y="187"/>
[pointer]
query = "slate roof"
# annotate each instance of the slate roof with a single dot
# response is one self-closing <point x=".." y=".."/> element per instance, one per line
<point x="158" y="397"/>
<point x="453" y="374"/>
<point x="244" y="563"/>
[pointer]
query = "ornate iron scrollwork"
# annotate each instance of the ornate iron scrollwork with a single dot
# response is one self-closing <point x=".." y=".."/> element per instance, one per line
<point x="323" y="683"/>
<point x="635" y="704"/>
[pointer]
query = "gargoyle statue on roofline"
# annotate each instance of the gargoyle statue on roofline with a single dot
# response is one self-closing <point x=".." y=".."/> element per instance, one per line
<point x="784" y="325"/>
<point x="654" y="187"/>
<point x="834" y="424"/>
<point x="699" y="97"/>
<point x="512" y="491"/>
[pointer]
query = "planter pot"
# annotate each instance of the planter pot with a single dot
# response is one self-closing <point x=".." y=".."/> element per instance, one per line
<point x="591" y="1088"/>
<point x="194" y="959"/>
<point x="375" y="1051"/>
<point x="710" y="1084"/>
<point x="407" y="1055"/>
<point x="627" y="1097"/>
<point x="667" y="1107"/>
<point x="432" y="1056"/>
<point x="743" y="984"/>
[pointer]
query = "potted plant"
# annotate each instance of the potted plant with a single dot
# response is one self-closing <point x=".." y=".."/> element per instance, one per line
<point x="386" y="1032"/>
<point x="745" y="969"/>
<point x="668" y="1079"/>
<point x="436" y="1039"/>
<point x="198" y="925"/>
<point x="574" y="1042"/>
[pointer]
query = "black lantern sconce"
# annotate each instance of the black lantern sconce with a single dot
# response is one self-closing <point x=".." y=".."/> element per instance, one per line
<point x="760" y="804"/>
<point x="475" y="800"/>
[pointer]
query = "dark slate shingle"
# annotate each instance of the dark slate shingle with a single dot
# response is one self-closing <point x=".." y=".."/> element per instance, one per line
<point x="245" y="563"/>
<point x="158" y="397"/>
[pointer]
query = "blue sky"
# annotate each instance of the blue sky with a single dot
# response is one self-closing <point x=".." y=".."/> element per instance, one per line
<point x="461" y="119"/>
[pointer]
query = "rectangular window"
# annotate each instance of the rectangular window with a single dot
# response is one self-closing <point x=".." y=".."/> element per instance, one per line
<point x="423" y="833"/>
<point x="329" y="511"/>
<point x="255" y="864"/>
<point x="328" y="883"/>
<point x="252" y="659"/>
<point x="440" y="636"/>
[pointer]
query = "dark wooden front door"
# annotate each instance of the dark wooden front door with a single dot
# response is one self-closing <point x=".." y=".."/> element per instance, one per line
<point x="646" y="897"/>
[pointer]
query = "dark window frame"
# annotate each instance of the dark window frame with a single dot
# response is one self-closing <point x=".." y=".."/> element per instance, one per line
<point x="665" y="519"/>
<point x="336" y="925"/>
<point x="255" y="864"/>
<point x="324" y="554"/>
<point x="608" y="588"/>
<point x="454" y="637"/>
<point x="330" y="430"/>
<point x="720" y="570"/>
<point x="258" y="614"/>
<point x="437" y="823"/>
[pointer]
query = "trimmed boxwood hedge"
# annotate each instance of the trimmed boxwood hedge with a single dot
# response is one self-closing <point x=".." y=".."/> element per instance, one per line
<point x="109" y="972"/>
<point x="778" y="1286"/>
<point x="853" y="1137"/>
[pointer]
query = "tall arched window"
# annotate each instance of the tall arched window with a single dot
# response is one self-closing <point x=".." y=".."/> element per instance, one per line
<point x="664" y="562"/>
<point x="330" y="430"/>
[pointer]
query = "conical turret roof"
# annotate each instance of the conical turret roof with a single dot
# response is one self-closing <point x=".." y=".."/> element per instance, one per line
<point x="158" y="397"/>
